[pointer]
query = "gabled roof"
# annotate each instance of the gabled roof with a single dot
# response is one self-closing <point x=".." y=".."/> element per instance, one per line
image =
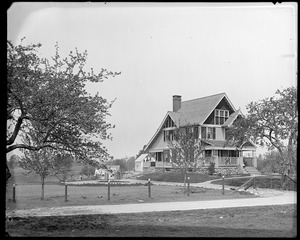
<point x="141" y="157"/>
<point x="173" y="115"/>
<point x="196" y="111"/>
<point x="220" y="143"/>
<point x="227" y="144"/>
<point x="232" y="117"/>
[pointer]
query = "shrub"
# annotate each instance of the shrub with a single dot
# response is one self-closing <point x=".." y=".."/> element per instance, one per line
<point x="211" y="168"/>
<point x="88" y="171"/>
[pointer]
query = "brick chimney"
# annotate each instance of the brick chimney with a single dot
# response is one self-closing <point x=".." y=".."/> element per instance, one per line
<point x="176" y="103"/>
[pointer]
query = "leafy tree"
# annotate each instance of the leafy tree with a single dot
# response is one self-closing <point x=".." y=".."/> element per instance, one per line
<point x="13" y="161"/>
<point x="272" y="163"/>
<point x="48" y="100"/>
<point x="122" y="164"/>
<point x="62" y="166"/>
<point x="272" y="122"/>
<point x="130" y="163"/>
<point x="38" y="162"/>
<point x="88" y="170"/>
<point x="211" y="168"/>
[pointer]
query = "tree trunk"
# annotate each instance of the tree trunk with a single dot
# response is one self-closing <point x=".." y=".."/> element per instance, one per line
<point x="43" y="186"/>
<point x="8" y="174"/>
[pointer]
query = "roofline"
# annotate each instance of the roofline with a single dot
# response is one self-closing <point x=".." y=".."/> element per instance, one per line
<point x="238" y="113"/>
<point x="249" y="142"/>
<point x="224" y="95"/>
<point x="204" y="97"/>
<point x="158" y="130"/>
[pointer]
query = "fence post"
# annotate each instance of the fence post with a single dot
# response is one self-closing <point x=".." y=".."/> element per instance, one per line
<point x="223" y="192"/>
<point x="188" y="186"/>
<point x="271" y="185"/>
<point x="149" y="188"/>
<point x="108" y="190"/>
<point x="66" y="192"/>
<point x="14" y="192"/>
<point x="184" y="183"/>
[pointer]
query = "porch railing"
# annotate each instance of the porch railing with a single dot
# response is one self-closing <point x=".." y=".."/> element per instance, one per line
<point x="204" y="162"/>
<point x="157" y="164"/>
<point x="224" y="161"/>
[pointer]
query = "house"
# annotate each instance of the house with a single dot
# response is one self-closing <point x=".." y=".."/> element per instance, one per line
<point x="208" y="118"/>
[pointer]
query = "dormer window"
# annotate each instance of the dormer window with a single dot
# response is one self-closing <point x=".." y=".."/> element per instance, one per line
<point x="221" y="116"/>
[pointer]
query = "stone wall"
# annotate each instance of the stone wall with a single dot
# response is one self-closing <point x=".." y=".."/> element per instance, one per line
<point x="228" y="171"/>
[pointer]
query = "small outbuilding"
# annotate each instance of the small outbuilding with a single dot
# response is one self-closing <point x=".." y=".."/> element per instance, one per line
<point x="138" y="163"/>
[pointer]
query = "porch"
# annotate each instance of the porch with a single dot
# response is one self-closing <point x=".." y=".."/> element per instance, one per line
<point x="221" y="158"/>
<point x="228" y="158"/>
<point x="228" y="161"/>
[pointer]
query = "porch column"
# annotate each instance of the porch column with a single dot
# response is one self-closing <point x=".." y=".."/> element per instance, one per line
<point x="240" y="162"/>
<point x="216" y="161"/>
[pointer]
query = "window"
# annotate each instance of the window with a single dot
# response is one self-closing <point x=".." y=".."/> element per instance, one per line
<point x="203" y="132"/>
<point x="211" y="133"/>
<point x="221" y="116"/>
<point x="208" y="133"/>
<point x="196" y="133"/>
<point x="158" y="156"/>
<point x="168" y="123"/>
<point x="168" y="135"/>
<point x="215" y="153"/>
<point x="217" y="117"/>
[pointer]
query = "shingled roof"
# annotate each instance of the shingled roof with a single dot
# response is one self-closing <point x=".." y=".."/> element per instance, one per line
<point x="232" y="117"/>
<point x="196" y="111"/>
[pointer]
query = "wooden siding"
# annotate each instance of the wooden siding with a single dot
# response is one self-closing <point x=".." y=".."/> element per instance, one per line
<point x="158" y="143"/>
<point x="219" y="134"/>
<point x="223" y="105"/>
<point x="210" y="119"/>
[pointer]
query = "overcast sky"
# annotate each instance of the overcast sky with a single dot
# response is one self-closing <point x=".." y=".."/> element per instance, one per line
<point x="194" y="50"/>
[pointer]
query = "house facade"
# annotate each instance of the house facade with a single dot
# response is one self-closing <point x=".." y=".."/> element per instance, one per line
<point x="208" y="119"/>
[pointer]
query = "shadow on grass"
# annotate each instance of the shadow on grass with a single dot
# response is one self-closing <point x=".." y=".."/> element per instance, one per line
<point x="103" y="229"/>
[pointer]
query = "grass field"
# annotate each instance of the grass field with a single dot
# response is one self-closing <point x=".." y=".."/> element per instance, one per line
<point x="268" y="221"/>
<point x="268" y="181"/>
<point x="264" y="221"/>
<point x="28" y="196"/>
<point x="28" y="193"/>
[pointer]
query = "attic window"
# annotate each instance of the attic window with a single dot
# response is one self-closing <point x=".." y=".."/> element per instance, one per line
<point x="168" y="123"/>
<point x="221" y="116"/>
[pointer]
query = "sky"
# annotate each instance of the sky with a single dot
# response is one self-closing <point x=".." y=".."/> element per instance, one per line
<point x="193" y="50"/>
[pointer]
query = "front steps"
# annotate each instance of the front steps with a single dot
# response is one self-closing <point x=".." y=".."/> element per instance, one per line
<point x="252" y="170"/>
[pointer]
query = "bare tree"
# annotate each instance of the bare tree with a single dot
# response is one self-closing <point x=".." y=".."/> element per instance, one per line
<point x="185" y="149"/>
<point x="40" y="163"/>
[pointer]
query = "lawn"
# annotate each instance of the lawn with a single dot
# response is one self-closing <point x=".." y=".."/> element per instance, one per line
<point x="264" y="221"/>
<point x="28" y="193"/>
<point x="178" y="177"/>
<point x="268" y="181"/>
<point x="28" y="196"/>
